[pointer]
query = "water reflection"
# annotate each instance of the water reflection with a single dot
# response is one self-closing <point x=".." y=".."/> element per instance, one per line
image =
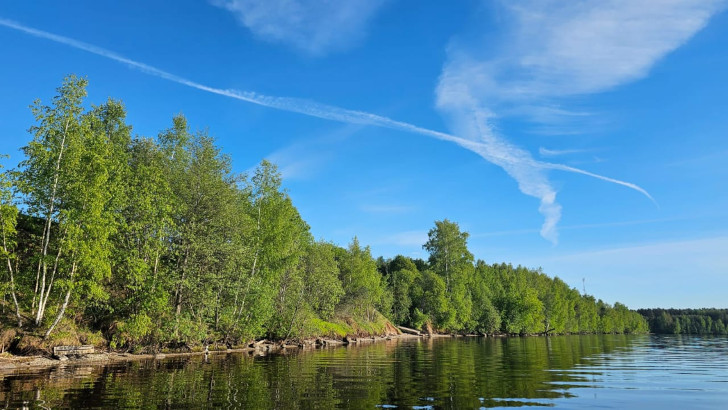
<point x="567" y="371"/>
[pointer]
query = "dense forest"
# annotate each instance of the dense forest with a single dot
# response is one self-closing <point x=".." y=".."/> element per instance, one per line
<point x="687" y="321"/>
<point x="146" y="242"/>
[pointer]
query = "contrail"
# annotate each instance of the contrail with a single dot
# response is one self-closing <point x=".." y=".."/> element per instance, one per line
<point x="602" y="177"/>
<point x="306" y="107"/>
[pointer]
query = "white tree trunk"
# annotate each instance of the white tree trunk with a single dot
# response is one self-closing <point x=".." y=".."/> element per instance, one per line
<point x="65" y="304"/>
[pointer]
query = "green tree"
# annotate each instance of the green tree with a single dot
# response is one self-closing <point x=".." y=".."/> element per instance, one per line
<point x="47" y="172"/>
<point x="323" y="287"/>
<point x="70" y="178"/>
<point x="486" y="316"/>
<point x="8" y="222"/>
<point x="205" y="217"/>
<point x="141" y="285"/>
<point x="432" y="303"/>
<point x="402" y="275"/>
<point x="275" y="244"/>
<point x="313" y="290"/>
<point x="451" y="259"/>
<point x="361" y="280"/>
<point x="449" y="254"/>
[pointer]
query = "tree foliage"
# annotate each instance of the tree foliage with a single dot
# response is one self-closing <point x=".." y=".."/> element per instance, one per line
<point x="156" y="241"/>
<point x="687" y="321"/>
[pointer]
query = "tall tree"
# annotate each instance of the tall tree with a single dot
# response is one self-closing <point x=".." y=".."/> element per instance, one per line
<point x="451" y="259"/>
<point x="69" y="179"/>
<point x="89" y="209"/>
<point x="449" y="254"/>
<point x="47" y="171"/>
<point x="361" y="279"/>
<point x="402" y="275"/>
<point x="485" y="316"/>
<point x="205" y="209"/>
<point x="141" y="283"/>
<point x="275" y="243"/>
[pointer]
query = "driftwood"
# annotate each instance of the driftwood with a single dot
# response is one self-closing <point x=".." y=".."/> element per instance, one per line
<point x="408" y="330"/>
<point x="258" y="344"/>
<point x="74" y="350"/>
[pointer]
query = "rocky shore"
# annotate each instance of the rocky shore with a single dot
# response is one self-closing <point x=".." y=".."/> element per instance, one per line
<point x="11" y="363"/>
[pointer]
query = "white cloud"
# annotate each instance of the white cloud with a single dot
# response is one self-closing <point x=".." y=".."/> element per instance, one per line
<point x="471" y="120"/>
<point x="313" y="26"/>
<point x="589" y="46"/>
<point x="545" y="152"/>
<point x="547" y="114"/>
<point x="554" y="49"/>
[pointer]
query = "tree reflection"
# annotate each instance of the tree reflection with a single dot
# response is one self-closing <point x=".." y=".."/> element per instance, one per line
<point x="439" y="372"/>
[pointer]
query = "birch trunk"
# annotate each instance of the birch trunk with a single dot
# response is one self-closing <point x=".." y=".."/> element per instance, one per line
<point x="65" y="304"/>
<point x="12" y="282"/>
<point x="42" y="264"/>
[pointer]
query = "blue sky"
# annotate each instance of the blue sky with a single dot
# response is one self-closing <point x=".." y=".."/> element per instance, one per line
<point x="586" y="138"/>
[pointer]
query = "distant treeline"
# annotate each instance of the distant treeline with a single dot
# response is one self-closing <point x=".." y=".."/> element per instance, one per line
<point x="454" y="294"/>
<point x="153" y="241"/>
<point x="687" y="321"/>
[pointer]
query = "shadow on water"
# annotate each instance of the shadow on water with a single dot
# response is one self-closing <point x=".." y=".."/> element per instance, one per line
<point x="420" y="373"/>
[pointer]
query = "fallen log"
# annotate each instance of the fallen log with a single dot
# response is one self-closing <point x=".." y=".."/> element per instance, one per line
<point x="73" y="350"/>
<point x="408" y="330"/>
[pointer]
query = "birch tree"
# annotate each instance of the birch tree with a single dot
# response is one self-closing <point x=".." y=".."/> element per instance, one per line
<point x="45" y="174"/>
<point x="275" y="240"/>
<point x="69" y="179"/>
<point x="8" y="221"/>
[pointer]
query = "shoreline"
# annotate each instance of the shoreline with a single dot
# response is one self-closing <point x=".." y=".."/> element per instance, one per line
<point x="12" y="363"/>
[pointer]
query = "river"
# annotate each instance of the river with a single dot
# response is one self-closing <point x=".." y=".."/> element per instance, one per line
<point x="609" y="371"/>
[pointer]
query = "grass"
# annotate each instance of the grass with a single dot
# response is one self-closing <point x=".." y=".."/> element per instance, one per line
<point x="322" y="328"/>
<point x="349" y="325"/>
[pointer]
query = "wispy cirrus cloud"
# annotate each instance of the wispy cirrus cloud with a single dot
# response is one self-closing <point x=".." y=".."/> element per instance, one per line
<point x="545" y="152"/>
<point x="307" y="158"/>
<point x="567" y="48"/>
<point x="550" y="50"/>
<point x="297" y="163"/>
<point x="471" y="123"/>
<point x="312" y="26"/>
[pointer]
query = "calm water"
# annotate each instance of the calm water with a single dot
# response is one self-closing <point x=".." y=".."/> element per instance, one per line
<point x="564" y="372"/>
